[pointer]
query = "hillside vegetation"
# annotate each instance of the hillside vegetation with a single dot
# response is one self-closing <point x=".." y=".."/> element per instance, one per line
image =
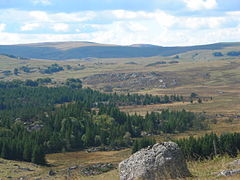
<point x="62" y="111"/>
<point x="77" y="50"/>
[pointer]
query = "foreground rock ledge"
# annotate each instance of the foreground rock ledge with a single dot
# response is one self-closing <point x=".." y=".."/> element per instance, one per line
<point x="161" y="161"/>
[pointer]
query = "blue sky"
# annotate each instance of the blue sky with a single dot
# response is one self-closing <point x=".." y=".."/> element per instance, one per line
<point x="124" y="22"/>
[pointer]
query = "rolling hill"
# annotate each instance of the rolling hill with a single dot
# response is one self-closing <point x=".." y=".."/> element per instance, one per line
<point x="78" y="50"/>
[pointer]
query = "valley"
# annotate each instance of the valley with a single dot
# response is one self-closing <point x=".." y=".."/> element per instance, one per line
<point x="215" y="80"/>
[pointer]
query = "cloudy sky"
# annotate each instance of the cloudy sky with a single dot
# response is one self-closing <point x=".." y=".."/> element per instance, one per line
<point x="124" y="22"/>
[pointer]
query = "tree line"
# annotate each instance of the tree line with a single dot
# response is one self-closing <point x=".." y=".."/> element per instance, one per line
<point x="210" y="145"/>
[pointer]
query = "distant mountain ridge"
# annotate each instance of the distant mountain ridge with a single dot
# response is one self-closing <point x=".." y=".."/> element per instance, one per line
<point x="79" y="50"/>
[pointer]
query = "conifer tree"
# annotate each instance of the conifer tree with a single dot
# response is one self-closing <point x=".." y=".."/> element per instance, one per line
<point x="38" y="156"/>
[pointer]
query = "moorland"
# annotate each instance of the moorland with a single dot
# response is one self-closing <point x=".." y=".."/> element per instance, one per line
<point x="204" y="78"/>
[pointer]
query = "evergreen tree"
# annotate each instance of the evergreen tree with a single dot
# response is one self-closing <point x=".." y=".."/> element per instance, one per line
<point x="4" y="152"/>
<point x="38" y="156"/>
<point x="27" y="152"/>
<point x="135" y="147"/>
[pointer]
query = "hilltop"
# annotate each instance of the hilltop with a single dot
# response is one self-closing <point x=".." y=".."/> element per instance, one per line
<point x="81" y="49"/>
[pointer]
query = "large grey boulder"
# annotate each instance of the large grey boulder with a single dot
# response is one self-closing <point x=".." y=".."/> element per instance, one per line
<point x="161" y="161"/>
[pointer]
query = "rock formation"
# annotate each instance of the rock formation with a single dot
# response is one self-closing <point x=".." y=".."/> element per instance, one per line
<point x="229" y="172"/>
<point x="161" y="161"/>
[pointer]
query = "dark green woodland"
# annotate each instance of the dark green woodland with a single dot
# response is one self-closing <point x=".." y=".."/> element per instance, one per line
<point x="39" y="117"/>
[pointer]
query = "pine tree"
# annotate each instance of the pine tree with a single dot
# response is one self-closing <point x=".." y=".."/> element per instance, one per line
<point x="38" y="156"/>
<point x="135" y="147"/>
<point x="27" y="152"/>
<point x="199" y="101"/>
<point x="4" y="151"/>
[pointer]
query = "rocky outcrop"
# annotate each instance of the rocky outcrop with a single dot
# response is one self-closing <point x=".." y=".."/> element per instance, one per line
<point x="235" y="163"/>
<point x="232" y="169"/>
<point x="96" y="169"/>
<point x="229" y="172"/>
<point x="161" y="161"/>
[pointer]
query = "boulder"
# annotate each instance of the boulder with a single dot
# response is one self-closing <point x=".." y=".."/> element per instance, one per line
<point x="51" y="173"/>
<point x="161" y="161"/>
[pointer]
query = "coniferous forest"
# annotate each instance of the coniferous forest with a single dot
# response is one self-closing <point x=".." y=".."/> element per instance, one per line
<point x="39" y="117"/>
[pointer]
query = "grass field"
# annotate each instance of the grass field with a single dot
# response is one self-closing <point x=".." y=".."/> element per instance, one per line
<point x="203" y="170"/>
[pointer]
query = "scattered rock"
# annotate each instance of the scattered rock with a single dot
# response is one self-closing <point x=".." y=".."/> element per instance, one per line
<point x="144" y="133"/>
<point x="97" y="169"/>
<point x="22" y="178"/>
<point x="96" y="149"/>
<point x="161" y="161"/>
<point x="235" y="163"/>
<point x="25" y="169"/>
<point x="34" y="127"/>
<point x="72" y="168"/>
<point x="51" y="173"/>
<point x="229" y="172"/>
<point x="18" y="119"/>
<point x="135" y="80"/>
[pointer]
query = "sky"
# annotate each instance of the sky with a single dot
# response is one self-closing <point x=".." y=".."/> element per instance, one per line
<point x="122" y="22"/>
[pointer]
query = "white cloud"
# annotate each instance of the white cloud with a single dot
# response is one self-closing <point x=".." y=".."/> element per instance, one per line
<point x="165" y="37"/>
<point x="2" y="27"/>
<point x="124" y="14"/>
<point x="196" y="5"/>
<point x="43" y="2"/>
<point x="117" y="34"/>
<point x="137" y="27"/>
<point x="72" y="17"/>
<point x="17" y="38"/>
<point x="165" y="19"/>
<point x="120" y="27"/>
<point x="60" y="27"/>
<point x="200" y="22"/>
<point x="234" y="13"/>
<point x="39" y="16"/>
<point x="29" y="26"/>
<point x="42" y="16"/>
<point x="159" y="16"/>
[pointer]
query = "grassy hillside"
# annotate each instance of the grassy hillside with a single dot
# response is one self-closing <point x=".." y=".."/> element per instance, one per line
<point x="77" y="50"/>
<point x="204" y="74"/>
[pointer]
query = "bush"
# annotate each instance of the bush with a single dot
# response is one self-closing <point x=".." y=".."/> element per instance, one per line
<point x="217" y="54"/>
<point x="233" y="53"/>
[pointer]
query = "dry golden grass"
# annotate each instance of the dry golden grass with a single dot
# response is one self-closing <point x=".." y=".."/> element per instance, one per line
<point x="60" y="162"/>
<point x="10" y="169"/>
<point x="67" y="45"/>
<point x="71" y="158"/>
<point x="202" y="170"/>
<point x="208" y="169"/>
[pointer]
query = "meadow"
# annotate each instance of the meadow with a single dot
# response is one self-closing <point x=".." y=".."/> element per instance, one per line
<point x="206" y="76"/>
